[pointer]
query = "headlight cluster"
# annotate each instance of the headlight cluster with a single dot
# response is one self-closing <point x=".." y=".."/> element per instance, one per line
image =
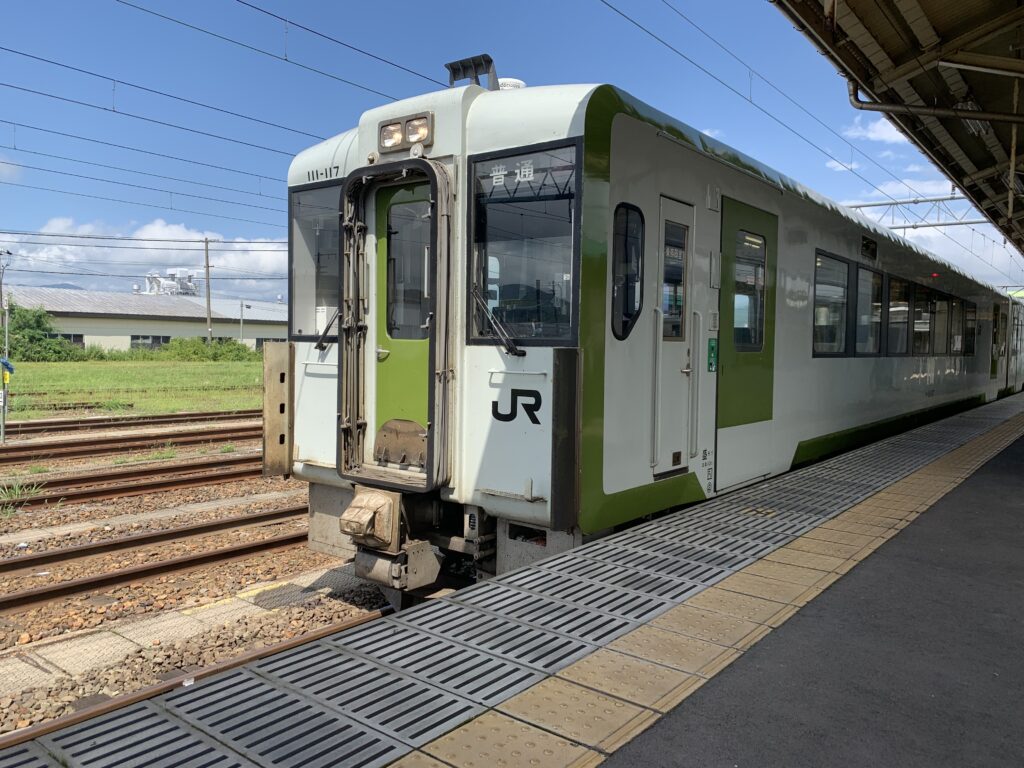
<point x="406" y="131"/>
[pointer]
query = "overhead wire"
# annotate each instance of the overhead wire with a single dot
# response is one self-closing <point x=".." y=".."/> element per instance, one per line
<point x="142" y="186"/>
<point x="165" y="94"/>
<point x="163" y="155"/>
<point x="173" y="249"/>
<point x="324" y="36"/>
<point x="82" y="236"/>
<point x="255" y="49"/>
<point x="144" y="205"/>
<point x="165" y="123"/>
<point x="145" y="173"/>
<point x="770" y="115"/>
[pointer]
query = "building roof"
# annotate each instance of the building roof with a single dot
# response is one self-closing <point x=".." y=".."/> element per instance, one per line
<point x="68" y="302"/>
<point x="928" y="65"/>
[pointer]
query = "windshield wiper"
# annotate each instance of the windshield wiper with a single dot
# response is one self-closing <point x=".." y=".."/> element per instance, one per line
<point x="499" y="328"/>
<point x="321" y="343"/>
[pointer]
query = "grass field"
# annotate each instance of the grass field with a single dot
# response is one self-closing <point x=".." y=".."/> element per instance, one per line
<point x="108" y="387"/>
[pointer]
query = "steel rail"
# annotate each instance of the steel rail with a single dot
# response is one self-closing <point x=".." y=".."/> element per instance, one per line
<point x="147" y="469"/>
<point x="67" y="554"/>
<point x="93" y="446"/>
<point x="36" y="426"/>
<point x="45" y="594"/>
<point x="22" y="735"/>
<point x="85" y="488"/>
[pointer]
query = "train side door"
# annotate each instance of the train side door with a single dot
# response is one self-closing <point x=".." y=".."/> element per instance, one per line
<point x="670" y="439"/>
<point x="746" y="368"/>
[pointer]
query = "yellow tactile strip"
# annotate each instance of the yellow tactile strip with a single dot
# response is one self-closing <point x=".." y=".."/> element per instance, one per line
<point x="603" y="700"/>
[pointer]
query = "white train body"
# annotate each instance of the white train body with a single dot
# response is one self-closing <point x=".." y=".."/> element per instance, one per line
<point x="561" y="310"/>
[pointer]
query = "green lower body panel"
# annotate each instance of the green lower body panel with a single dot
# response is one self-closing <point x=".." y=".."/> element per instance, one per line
<point x="823" y="447"/>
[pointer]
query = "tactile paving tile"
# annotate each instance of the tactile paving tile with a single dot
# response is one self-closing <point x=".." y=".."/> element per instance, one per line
<point x="795" y="574"/>
<point x="26" y="756"/>
<point x="140" y="735"/>
<point x="269" y="724"/>
<point x="494" y="740"/>
<point x="627" y="677"/>
<point x="759" y="586"/>
<point x="412" y="711"/>
<point x="710" y="626"/>
<point x="544" y="612"/>
<point x="741" y="606"/>
<point x="580" y="714"/>
<point x="480" y="677"/>
<point x="687" y="654"/>
<point x="537" y="648"/>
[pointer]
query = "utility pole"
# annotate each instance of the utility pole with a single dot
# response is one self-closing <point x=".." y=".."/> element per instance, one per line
<point x="242" y="306"/>
<point x="209" y="312"/>
<point x="7" y="351"/>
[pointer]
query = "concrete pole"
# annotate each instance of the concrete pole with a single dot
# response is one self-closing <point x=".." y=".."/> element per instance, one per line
<point x="209" y="312"/>
<point x="241" y="317"/>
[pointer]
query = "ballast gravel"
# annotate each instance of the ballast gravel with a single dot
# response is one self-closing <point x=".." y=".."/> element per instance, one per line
<point x="147" y="666"/>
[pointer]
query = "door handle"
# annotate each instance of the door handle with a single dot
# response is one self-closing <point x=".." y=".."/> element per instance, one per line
<point x="687" y="370"/>
<point x="382" y="354"/>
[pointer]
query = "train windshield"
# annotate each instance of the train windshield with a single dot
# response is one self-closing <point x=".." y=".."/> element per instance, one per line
<point x="524" y="211"/>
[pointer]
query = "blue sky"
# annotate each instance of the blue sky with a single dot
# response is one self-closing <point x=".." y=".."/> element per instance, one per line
<point x="539" y="42"/>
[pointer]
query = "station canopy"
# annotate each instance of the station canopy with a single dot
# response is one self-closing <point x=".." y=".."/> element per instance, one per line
<point x="948" y="74"/>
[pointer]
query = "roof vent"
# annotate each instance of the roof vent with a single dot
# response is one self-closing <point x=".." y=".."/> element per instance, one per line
<point x="510" y="84"/>
<point x="471" y="69"/>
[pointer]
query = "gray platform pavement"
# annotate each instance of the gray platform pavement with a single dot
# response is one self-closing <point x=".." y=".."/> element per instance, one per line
<point x="915" y="658"/>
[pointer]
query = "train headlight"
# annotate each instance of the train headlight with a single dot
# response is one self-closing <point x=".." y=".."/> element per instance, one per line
<point x="390" y="135"/>
<point x="417" y="130"/>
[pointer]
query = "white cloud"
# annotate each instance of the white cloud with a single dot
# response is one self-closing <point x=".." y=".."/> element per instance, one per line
<point x="878" y="129"/>
<point x="714" y="133"/>
<point x="8" y="172"/>
<point x="888" y="154"/>
<point x="835" y="165"/>
<point x="916" y="168"/>
<point x="234" y="264"/>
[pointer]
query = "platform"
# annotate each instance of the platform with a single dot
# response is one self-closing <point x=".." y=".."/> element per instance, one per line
<point x="563" y="662"/>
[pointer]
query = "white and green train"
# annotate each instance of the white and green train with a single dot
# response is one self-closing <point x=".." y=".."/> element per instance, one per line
<point x="521" y="317"/>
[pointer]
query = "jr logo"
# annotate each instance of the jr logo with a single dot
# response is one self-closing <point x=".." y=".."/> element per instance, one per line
<point x="531" y="404"/>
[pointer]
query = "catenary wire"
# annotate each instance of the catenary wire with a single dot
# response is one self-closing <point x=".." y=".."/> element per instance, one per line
<point x="145" y="173"/>
<point x="153" y="120"/>
<point x="342" y="43"/>
<point x="253" y="48"/>
<point x="145" y="247"/>
<point x="772" y="116"/>
<point x="144" y="205"/>
<point x="140" y="150"/>
<point x="134" y="239"/>
<point x="165" y="94"/>
<point x="142" y="186"/>
<point x="56" y="260"/>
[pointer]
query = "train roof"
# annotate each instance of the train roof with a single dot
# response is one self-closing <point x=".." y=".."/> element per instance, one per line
<point x="524" y="116"/>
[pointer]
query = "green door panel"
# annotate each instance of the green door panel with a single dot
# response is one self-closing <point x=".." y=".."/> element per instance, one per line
<point x="746" y="378"/>
<point x="403" y="364"/>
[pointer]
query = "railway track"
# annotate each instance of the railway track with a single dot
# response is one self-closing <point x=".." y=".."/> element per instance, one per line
<point x="32" y="451"/>
<point x="135" y="481"/>
<point x="39" y="595"/>
<point x="46" y="426"/>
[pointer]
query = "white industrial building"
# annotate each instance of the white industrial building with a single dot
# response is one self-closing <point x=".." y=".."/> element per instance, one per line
<point x="115" y="320"/>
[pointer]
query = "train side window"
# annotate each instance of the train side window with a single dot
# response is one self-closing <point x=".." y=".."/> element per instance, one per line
<point x="940" y="326"/>
<point x="970" y="328"/>
<point x="899" y="316"/>
<point x="956" y="327"/>
<point x="748" y="304"/>
<point x="922" y="320"/>
<point x="408" y="270"/>
<point x="627" y="269"/>
<point x="313" y="260"/>
<point x="869" y="311"/>
<point x="831" y="278"/>
<point x="673" y="286"/>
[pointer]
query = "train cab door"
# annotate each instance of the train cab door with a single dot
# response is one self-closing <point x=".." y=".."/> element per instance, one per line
<point x="673" y="364"/>
<point x="403" y="326"/>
